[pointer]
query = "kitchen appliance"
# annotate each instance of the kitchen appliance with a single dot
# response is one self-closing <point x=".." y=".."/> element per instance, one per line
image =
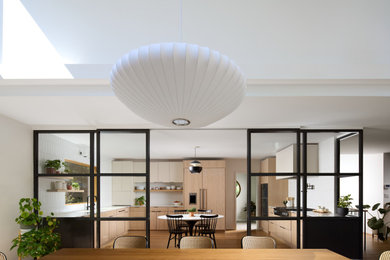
<point x="264" y="200"/>
<point x="281" y="211"/>
<point x="192" y="198"/>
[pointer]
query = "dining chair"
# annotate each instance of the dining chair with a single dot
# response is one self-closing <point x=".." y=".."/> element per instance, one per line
<point x="254" y="242"/>
<point x="205" y="211"/>
<point x="131" y="242"/>
<point x="208" y="224"/>
<point x="196" y="242"/>
<point x="202" y="211"/>
<point x="180" y="211"/>
<point x="385" y="256"/>
<point x="3" y="256"/>
<point x="176" y="228"/>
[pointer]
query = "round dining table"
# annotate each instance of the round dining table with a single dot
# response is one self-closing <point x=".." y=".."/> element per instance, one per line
<point x="191" y="221"/>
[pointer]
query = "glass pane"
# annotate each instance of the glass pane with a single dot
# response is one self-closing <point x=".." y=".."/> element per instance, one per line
<point x="122" y="152"/>
<point x="284" y="232"/>
<point x="271" y="196"/>
<point x="63" y="153"/>
<point x="321" y="152"/>
<point x="350" y="186"/>
<point x="273" y="152"/>
<point x="110" y="230"/>
<point x="122" y="193"/>
<point x="320" y="196"/>
<point x="349" y="153"/>
<point x="64" y="196"/>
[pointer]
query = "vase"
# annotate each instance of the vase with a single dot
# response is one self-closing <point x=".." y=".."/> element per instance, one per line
<point x="342" y="211"/>
<point x="192" y="214"/>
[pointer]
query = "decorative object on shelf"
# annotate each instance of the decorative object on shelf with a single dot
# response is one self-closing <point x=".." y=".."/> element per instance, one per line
<point x="195" y="166"/>
<point x="290" y="201"/>
<point x="321" y="210"/>
<point x="285" y="203"/>
<point x="41" y="239"/>
<point x="140" y="201"/>
<point x="310" y="186"/>
<point x="377" y="223"/>
<point x="52" y="166"/>
<point x="69" y="186"/>
<point x="191" y="212"/>
<point x="177" y="203"/>
<point x="178" y="84"/>
<point x="252" y="208"/>
<point x="75" y="186"/>
<point x="343" y="205"/>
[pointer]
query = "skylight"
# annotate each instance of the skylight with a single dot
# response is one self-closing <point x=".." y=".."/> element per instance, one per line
<point x="27" y="52"/>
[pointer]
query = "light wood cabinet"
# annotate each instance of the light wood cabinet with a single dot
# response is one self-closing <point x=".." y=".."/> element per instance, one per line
<point x="153" y="220"/>
<point x="160" y="224"/>
<point x="109" y="230"/>
<point x="153" y="171"/>
<point x="137" y="212"/>
<point x="176" y="171"/>
<point x="209" y="187"/>
<point x="163" y="172"/>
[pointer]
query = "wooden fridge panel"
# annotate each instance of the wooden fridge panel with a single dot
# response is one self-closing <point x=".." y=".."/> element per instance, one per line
<point x="192" y="184"/>
<point x="214" y="184"/>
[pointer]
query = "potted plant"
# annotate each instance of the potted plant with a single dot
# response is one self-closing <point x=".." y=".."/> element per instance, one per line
<point x="252" y="208"/>
<point x="140" y="201"/>
<point x="69" y="186"/>
<point x="29" y="214"/>
<point x="376" y="223"/>
<point x="285" y="203"/>
<point x="41" y="239"/>
<point x="191" y="211"/>
<point x="52" y="166"/>
<point x="343" y="205"/>
<point x="66" y="167"/>
<point x="75" y="186"/>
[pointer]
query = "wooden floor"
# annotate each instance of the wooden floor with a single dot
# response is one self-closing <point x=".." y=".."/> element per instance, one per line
<point x="232" y="239"/>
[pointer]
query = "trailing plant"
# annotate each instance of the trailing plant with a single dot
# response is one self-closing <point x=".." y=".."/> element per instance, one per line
<point x="191" y="210"/>
<point x="30" y="213"/>
<point x="56" y="164"/>
<point x="66" y="167"/>
<point x="42" y="239"/>
<point x="345" y="201"/>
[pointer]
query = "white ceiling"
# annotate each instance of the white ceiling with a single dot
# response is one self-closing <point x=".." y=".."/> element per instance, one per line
<point x="268" y="39"/>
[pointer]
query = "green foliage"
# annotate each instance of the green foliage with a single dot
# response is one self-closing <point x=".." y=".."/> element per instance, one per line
<point x="56" y="164"/>
<point x="252" y="207"/>
<point x="66" y="167"/>
<point x="30" y="213"/>
<point x="42" y="239"/>
<point x="375" y="223"/>
<point x="191" y="210"/>
<point x="285" y="202"/>
<point x="140" y="200"/>
<point x="345" y="201"/>
<point x="75" y="185"/>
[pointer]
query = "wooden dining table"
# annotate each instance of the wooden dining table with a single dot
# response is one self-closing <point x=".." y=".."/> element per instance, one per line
<point x="191" y="254"/>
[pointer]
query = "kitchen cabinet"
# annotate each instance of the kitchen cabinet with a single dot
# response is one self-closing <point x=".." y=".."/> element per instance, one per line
<point x="208" y="186"/>
<point x="163" y="172"/>
<point x="139" y="167"/>
<point x="109" y="230"/>
<point x="176" y="171"/>
<point x="153" y="171"/>
<point x="287" y="157"/>
<point x="137" y="212"/>
<point x="284" y="231"/>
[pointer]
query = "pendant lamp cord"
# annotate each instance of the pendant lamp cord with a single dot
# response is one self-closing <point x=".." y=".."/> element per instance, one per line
<point x="181" y="21"/>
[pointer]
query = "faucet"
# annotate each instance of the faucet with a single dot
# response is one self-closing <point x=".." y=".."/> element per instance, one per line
<point x="89" y="201"/>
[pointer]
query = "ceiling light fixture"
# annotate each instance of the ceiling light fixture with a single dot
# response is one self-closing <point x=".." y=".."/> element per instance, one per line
<point x="195" y="166"/>
<point x="178" y="84"/>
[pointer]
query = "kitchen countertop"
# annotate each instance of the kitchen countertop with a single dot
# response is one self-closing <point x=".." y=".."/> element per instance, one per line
<point x="85" y="213"/>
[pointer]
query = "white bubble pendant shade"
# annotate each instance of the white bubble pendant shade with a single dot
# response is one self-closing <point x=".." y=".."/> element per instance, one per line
<point x="178" y="84"/>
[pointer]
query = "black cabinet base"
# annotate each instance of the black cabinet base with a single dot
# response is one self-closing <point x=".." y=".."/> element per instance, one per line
<point x="76" y="233"/>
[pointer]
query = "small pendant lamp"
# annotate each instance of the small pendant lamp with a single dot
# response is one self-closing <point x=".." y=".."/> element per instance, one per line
<point x="195" y="166"/>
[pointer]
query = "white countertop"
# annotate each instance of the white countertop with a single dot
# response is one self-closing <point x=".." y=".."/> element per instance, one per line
<point x="85" y="213"/>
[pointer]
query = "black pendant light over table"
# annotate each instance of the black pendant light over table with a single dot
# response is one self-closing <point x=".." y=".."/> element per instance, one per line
<point x="195" y="166"/>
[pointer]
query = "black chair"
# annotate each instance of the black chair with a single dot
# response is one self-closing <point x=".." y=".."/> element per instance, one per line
<point x="202" y="211"/>
<point x="176" y="228"/>
<point x="208" y="224"/>
<point x="180" y="211"/>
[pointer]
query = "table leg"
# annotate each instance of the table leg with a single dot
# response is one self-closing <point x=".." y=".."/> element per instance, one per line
<point x="191" y="225"/>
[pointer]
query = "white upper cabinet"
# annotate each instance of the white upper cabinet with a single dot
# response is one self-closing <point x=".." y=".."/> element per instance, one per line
<point x="153" y="171"/>
<point x="286" y="160"/>
<point x="163" y="172"/>
<point x="176" y="171"/>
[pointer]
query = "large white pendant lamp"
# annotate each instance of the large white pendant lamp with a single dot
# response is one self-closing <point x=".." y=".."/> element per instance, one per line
<point x="178" y="84"/>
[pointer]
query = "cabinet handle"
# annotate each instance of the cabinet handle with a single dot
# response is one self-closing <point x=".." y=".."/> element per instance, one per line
<point x="121" y="210"/>
<point x="282" y="227"/>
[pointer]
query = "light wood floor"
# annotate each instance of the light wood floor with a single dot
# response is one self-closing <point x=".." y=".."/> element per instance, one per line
<point x="232" y="239"/>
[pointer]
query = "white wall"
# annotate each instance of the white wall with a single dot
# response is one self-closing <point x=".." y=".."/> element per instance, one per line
<point x="16" y="177"/>
<point x="386" y="177"/>
<point x="241" y="200"/>
<point x="372" y="180"/>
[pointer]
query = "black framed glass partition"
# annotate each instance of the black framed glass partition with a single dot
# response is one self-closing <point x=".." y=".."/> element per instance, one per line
<point x="123" y="160"/>
<point x="94" y="202"/>
<point x="274" y="185"/>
